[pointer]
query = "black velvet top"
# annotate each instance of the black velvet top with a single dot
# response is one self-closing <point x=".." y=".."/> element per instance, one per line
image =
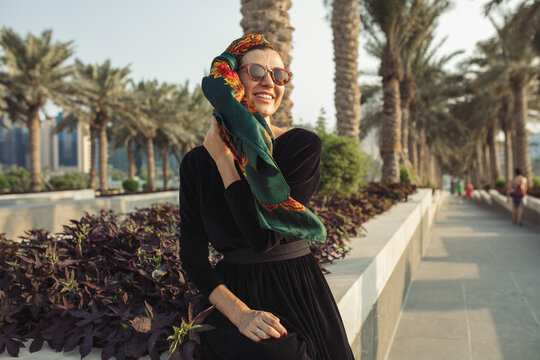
<point x="226" y="218"/>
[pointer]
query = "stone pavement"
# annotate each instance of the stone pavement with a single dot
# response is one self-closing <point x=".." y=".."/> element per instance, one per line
<point x="476" y="293"/>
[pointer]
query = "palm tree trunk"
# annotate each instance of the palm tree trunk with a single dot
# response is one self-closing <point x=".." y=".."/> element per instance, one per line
<point x="406" y="90"/>
<point x="421" y="153"/>
<point x="480" y="167"/>
<point x="150" y="164"/>
<point x="428" y="165"/>
<point x="103" y="150"/>
<point x="346" y="30"/>
<point x="485" y="164"/>
<point x="405" y="134"/>
<point x="507" y="151"/>
<point x="475" y="174"/>
<point x="92" y="175"/>
<point x="413" y="152"/>
<point x="514" y="141"/>
<point x="432" y="170"/>
<point x="165" y="160"/>
<point x="391" y="72"/>
<point x="493" y="156"/>
<point x="131" y="159"/>
<point x="413" y="136"/>
<point x="271" y="18"/>
<point x="522" y="136"/>
<point x="34" y="144"/>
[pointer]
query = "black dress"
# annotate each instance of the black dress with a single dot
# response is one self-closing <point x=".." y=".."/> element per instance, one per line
<point x="294" y="290"/>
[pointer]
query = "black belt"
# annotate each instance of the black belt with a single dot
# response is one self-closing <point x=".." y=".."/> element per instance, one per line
<point x="288" y="251"/>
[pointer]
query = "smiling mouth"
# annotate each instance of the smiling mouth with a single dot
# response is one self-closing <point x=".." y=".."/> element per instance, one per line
<point x="264" y="96"/>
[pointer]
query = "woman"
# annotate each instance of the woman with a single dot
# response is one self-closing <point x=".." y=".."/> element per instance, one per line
<point x="272" y="299"/>
<point x="518" y="185"/>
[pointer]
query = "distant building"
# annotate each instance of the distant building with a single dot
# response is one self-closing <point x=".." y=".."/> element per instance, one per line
<point x="68" y="150"/>
<point x="534" y="143"/>
<point x="534" y="150"/>
<point x="13" y="145"/>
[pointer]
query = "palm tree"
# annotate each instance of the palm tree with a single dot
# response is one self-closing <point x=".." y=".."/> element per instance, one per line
<point x="271" y="18"/>
<point x="194" y="117"/>
<point x="515" y="60"/>
<point x="99" y="93"/>
<point x="152" y="101"/>
<point x="514" y="51"/>
<point x="421" y="35"/>
<point x="3" y="100"/>
<point x="437" y="135"/>
<point x="393" y="19"/>
<point x="399" y="30"/>
<point x="491" y="82"/>
<point x="124" y="134"/>
<point x="346" y="30"/>
<point x="35" y="72"/>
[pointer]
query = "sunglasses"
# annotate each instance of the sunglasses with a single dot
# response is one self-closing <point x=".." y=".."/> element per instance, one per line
<point x="256" y="73"/>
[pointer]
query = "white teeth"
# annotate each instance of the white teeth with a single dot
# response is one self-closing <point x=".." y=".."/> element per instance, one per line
<point x="264" y="96"/>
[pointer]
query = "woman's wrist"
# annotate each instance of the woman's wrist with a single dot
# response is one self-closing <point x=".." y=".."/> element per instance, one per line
<point x="239" y="310"/>
<point x="228" y="304"/>
<point x="227" y="170"/>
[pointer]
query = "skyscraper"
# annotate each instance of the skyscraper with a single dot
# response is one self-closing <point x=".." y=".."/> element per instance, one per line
<point x="67" y="150"/>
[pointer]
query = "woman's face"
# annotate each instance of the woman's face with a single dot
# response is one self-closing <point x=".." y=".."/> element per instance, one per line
<point x="265" y="95"/>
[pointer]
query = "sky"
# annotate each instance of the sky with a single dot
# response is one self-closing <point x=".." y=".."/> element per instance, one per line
<point x="176" y="40"/>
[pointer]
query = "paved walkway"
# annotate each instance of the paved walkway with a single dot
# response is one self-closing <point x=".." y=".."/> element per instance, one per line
<point x="476" y="294"/>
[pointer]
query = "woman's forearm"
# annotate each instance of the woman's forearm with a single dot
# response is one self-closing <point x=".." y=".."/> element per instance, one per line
<point x="227" y="170"/>
<point x="228" y="304"/>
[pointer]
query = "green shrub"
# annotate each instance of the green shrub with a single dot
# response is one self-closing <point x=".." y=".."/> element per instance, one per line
<point x="19" y="179"/>
<point x="58" y="182"/>
<point x="77" y="180"/>
<point x="130" y="185"/>
<point x="343" y="166"/>
<point x="4" y="184"/>
<point x="69" y="181"/>
<point x="536" y="181"/>
<point x="487" y="186"/>
<point x="404" y="174"/>
<point x="500" y="184"/>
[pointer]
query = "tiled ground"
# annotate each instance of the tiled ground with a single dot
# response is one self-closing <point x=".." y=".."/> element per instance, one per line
<point x="476" y="294"/>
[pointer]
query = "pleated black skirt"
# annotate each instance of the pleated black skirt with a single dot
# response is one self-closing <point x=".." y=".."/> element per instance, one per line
<point x="296" y="292"/>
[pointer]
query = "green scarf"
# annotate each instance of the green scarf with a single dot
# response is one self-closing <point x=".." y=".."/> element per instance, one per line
<point x="246" y="133"/>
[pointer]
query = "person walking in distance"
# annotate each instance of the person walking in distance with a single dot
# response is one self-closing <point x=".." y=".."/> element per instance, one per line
<point x="468" y="191"/>
<point x="459" y="188"/>
<point x="517" y="189"/>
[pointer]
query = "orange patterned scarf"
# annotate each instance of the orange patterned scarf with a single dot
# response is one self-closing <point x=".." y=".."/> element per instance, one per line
<point x="246" y="133"/>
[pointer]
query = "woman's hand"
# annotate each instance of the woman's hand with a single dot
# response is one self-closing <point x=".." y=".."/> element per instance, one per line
<point x="253" y="324"/>
<point x="215" y="146"/>
<point x="260" y="325"/>
<point x="221" y="154"/>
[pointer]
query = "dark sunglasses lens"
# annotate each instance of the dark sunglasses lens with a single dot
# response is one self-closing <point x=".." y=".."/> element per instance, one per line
<point x="281" y="77"/>
<point x="256" y="72"/>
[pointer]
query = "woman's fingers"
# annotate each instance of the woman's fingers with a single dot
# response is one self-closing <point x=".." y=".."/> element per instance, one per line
<point x="250" y="334"/>
<point x="260" y="325"/>
<point x="267" y="331"/>
<point x="274" y="323"/>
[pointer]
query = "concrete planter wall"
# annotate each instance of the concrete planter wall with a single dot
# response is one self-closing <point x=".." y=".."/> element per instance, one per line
<point x="51" y="216"/>
<point x="493" y="199"/>
<point x="371" y="282"/>
<point x="32" y="198"/>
